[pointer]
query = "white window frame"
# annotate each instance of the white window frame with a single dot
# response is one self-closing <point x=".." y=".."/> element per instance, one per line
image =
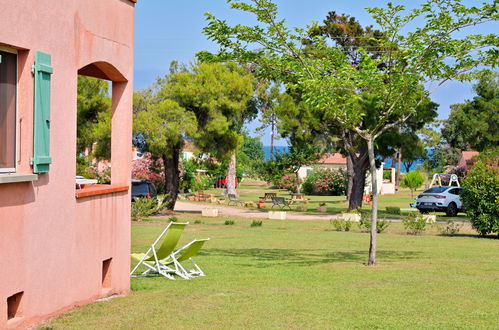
<point x="16" y="137"/>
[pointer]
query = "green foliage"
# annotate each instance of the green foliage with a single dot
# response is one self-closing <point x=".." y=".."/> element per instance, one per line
<point x="143" y="208"/>
<point x="172" y="219"/>
<point x="473" y="125"/>
<point x="198" y="222"/>
<point x="326" y="182"/>
<point x="219" y="95"/>
<point x="365" y="224"/>
<point x="229" y="222"/>
<point x="250" y="154"/>
<point x="393" y="210"/>
<point x="414" y="223"/>
<point x="256" y="223"/>
<point x="93" y="118"/>
<point x="412" y="180"/>
<point x="341" y="225"/>
<point x="450" y="228"/>
<point x="480" y="196"/>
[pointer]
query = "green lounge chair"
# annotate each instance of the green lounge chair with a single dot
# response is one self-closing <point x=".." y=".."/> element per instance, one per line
<point x="152" y="259"/>
<point x="186" y="253"/>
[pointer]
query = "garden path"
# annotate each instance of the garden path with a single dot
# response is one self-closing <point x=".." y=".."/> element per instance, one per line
<point x="183" y="206"/>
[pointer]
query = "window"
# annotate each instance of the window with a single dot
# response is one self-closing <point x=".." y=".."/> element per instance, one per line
<point x="8" y="95"/>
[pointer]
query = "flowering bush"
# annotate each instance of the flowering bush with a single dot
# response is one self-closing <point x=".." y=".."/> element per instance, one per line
<point x="288" y="181"/>
<point x="92" y="172"/>
<point x="328" y="182"/>
<point x="147" y="168"/>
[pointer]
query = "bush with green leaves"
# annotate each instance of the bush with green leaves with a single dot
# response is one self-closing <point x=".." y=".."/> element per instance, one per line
<point x="256" y="223"/>
<point x="450" y="228"/>
<point x="412" y="180"/>
<point x="393" y="210"/>
<point x="229" y="222"/>
<point x="341" y="225"/>
<point x="414" y="223"/>
<point x="143" y="208"/>
<point x="326" y="182"/>
<point x="480" y="196"/>
<point x="365" y="223"/>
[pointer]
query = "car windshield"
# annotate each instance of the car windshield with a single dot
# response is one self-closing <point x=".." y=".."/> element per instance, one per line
<point x="436" y="190"/>
<point x="140" y="188"/>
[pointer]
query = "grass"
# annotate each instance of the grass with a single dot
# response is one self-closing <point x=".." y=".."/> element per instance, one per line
<point x="296" y="274"/>
<point x="251" y="190"/>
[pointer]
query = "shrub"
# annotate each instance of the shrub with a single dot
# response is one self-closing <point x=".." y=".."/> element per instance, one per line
<point x="256" y="223"/>
<point x="326" y="182"/>
<point x="143" y="207"/>
<point x="365" y="224"/>
<point x="148" y="168"/>
<point x="341" y="225"/>
<point x="198" y="221"/>
<point x="480" y="196"/>
<point x="172" y="219"/>
<point x="414" y="223"/>
<point x="229" y="222"/>
<point x="450" y="228"/>
<point x="412" y="180"/>
<point x="289" y="182"/>
<point x="393" y="210"/>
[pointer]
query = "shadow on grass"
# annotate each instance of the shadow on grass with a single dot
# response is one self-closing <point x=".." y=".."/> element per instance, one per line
<point x="271" y="257"/>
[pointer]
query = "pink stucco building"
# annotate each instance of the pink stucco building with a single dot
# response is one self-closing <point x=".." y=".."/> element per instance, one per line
<point x="59" y="247"/>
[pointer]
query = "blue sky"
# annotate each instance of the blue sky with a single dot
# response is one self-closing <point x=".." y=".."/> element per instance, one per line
<point x="167" y="30"/>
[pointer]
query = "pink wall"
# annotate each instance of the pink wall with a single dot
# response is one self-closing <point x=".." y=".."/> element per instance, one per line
<point x="52" y="244"/>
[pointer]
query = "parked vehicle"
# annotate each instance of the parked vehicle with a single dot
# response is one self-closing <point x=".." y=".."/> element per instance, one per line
<point x="143" y="188"/>
<point x="221" y="182"/>
<point x="444" y="198"/>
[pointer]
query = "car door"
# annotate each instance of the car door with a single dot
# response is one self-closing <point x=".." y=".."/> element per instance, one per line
<point x="454" y="196"/>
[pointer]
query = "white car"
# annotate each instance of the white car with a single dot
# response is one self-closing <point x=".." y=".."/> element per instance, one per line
<point x="444" y="198"/>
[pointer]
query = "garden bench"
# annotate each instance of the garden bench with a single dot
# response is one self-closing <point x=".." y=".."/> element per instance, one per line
<point x="234" y="199"/>
<point x="281" y="202"/>
<point x="268" y="196"/>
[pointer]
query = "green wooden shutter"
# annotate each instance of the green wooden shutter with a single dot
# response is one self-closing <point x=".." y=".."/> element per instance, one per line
<point x="41" y="153"/>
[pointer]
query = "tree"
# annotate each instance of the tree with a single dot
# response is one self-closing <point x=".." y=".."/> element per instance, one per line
<point x="164" y="125"/>
<point x="475" y="124"/>
<point x="250" y="153"/>
<point x="480" y="194"/>
<point x="221" y="97"/>
<point x="267" y="97"/>
<point x="412" y="180"/>
<point x="393" y="82"/>
<point x="93" y="120"/>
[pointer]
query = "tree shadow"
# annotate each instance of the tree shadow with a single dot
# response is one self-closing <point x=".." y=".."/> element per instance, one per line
<point x="300" y="257"/>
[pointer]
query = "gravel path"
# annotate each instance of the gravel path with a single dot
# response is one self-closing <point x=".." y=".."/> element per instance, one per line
<point x="227" y="210"/>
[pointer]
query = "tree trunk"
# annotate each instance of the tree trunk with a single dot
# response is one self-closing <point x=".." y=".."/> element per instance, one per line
<point x="272" y="140"/>
<point x="356" y="180"/>
<point x="374" y="215"/>
<point x="231" y="176"/>
<point x="172" y="174"/>
<point x="399" y="162"/>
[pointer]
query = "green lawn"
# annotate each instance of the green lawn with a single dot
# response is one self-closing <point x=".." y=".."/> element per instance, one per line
<point x="301" y="274"/>
<point x="251" y="190"/>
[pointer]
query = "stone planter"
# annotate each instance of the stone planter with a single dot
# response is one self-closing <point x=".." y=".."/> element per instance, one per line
<point x="302" y="208"/>
<point x="261" y="205"/>
<point x="221" y="201"/>
<point x="206" y="212"/>
<point x="277" y="215"/>
<point x="430" y="218"/>
<point x="351" y="217"/>
<point x="213" y="200"/>
<point x="249" y="204"/>
<point x="322" y="209"/>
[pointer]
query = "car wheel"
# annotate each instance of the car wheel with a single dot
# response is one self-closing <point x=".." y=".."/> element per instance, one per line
<point x="451" y="210"/>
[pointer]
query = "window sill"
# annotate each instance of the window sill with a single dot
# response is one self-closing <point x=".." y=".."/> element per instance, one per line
<point x="100" y="189"/>
<point x="17" y="177"/>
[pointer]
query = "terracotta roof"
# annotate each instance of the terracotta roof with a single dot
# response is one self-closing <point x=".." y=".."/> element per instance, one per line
<point x="467" y="155"/>
<point x="333" y="159"/>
